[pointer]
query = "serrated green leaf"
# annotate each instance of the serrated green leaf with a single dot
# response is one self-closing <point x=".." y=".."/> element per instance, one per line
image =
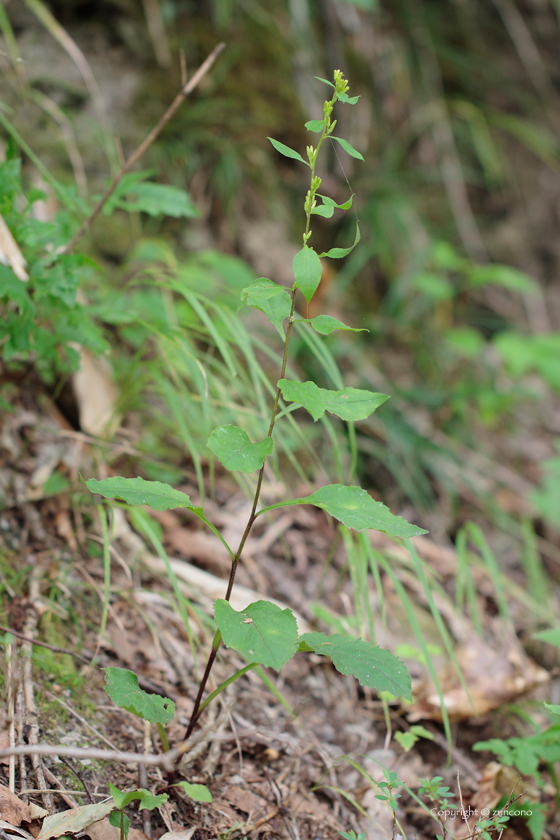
<point x="372" y="666"/>
<point x="286" y="151"/>
<point x="325" y="324"/>
<point x="356" y="509"/>
<point x="199" y="793"/>
<point x="553" y="707"/>
<point x="122" y="687"/>
<point x="315" y="125"/>
<point x="137" y="491"/>
<point x="309" y="395"/>
<point x="232" y="447"/>
<point x="347" y="147"/>
<point x="160" y="200"/>
<point x="259" y="290"/>
<point x="271" y="299"/>
<point x="262" y="632"/>
<point x="353" y="404"/>
<point x="307" y="271"/>
<point x="349" y="404"/>
<point x="324" y="210"/>
<point x="338" y="253"/>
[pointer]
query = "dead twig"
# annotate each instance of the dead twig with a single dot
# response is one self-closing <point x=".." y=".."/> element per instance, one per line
<point x="142" y="148"/>
<point x="166" y="760"/>
<point x="31" y="715"/>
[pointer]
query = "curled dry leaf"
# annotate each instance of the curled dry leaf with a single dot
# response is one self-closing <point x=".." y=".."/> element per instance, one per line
<point x="96" y="395"/>
<point x="494" y="675"/>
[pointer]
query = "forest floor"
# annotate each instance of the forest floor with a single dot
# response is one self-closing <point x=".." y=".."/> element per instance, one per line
<point x="294" y="755"/>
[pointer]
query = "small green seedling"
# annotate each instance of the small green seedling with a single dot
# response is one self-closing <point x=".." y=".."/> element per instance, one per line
<point x="351" y="835"/>
<point x="123" y="688"/>
<point x="263" y="633"/>
<point x="439" y="797"/>
<point x="121" y="799"/>
<point x="408" y="739"/>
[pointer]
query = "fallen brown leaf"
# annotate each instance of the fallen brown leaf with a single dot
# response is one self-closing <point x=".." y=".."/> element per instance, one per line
<point x="74" y="820"/>
<point x="12" y="808"/>
<point x="494" y="675"/>
<point x="103" y="830"/>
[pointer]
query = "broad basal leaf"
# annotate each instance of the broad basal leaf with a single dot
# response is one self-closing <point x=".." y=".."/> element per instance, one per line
<point x="348" y="148"/>
<point x="271" y="299"/>
<point x="137" y="491"/>
<point x="286" y="151"/>
<point x="232" y="447"/>
<point x="349" y="404"/>
<point x="199" y="793"/>
<point x="262" y="632"/>
<point x="356" y="509"/>
<point x="122" y="687"/>
<point x="325" y="324"/>
<point x="307" y="271"/>
<point x="372" y="666"/>
<point x="338" y="253"/>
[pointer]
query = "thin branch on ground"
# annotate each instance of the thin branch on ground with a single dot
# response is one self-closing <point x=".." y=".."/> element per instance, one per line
<point x="144" y="146"/>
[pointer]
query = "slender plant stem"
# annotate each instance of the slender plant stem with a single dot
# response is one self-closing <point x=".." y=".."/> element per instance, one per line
<point x="312" y="154"/>
<point x="135" y="156"/>
<point x="197" y="708"/>
<point x="163" y="737"/>
<point x="225" y="684"/>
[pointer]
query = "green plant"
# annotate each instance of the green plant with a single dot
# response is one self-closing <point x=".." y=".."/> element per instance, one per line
<point x="526" y="754"/>
<point x="123" y="688"/>
<point x="439" y="796"/>
<point x="121" y="799"/>
<point x="263" y="633"/>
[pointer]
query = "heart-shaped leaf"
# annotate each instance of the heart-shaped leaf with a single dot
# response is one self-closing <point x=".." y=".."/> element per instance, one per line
<point x="349" y="404"/>
<point x="232" y="447"/>
<point x="122" y="687"/>
<point x="262" y="632"/>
